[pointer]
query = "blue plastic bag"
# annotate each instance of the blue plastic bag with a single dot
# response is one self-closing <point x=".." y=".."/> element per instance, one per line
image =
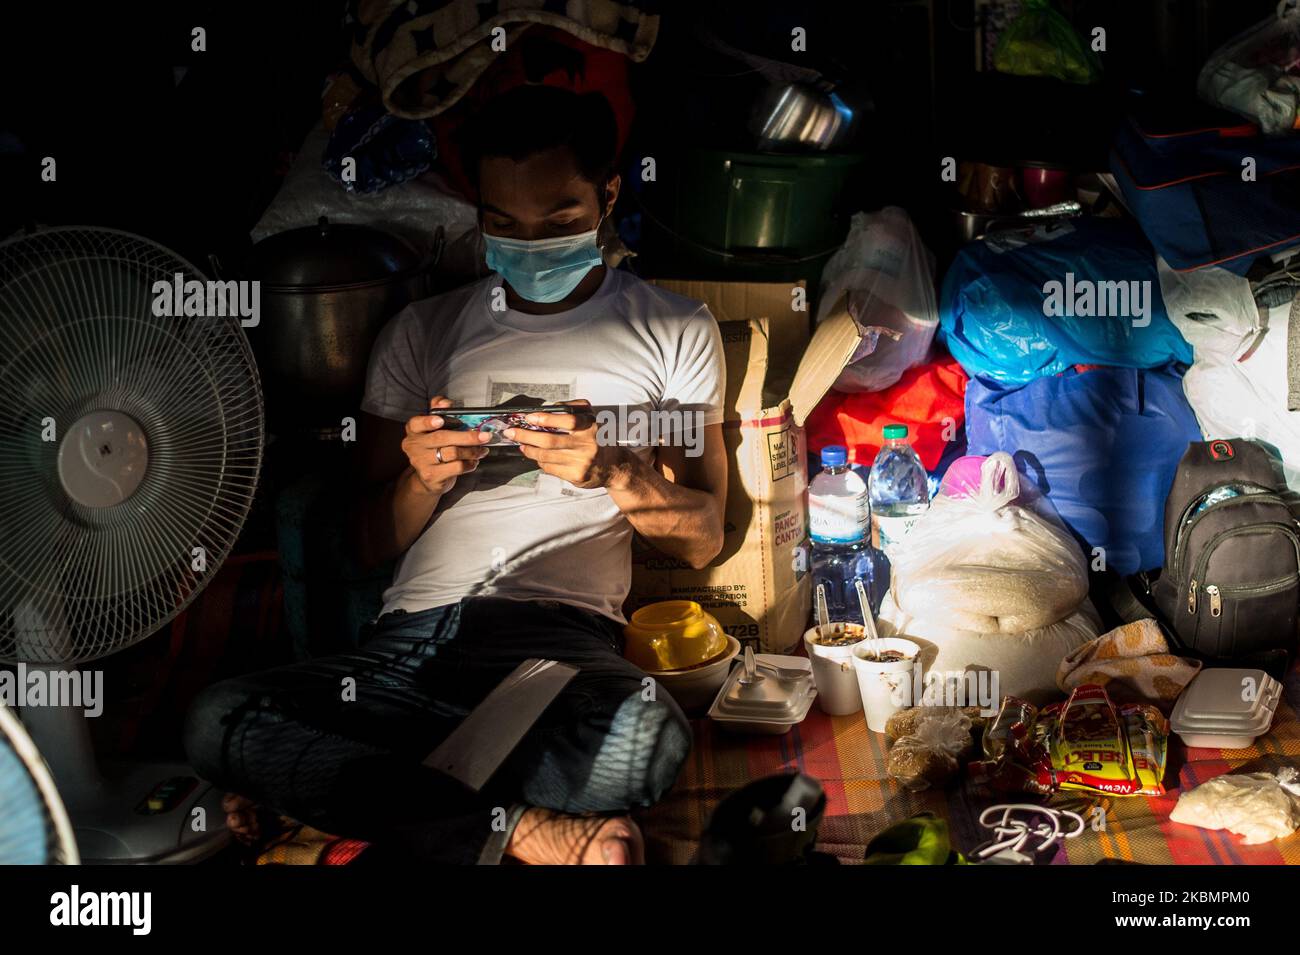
<point x="1023" y="304"/>
<point x="1101" y="444"/>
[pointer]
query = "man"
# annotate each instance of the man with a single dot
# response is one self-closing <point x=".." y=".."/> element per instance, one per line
<point x="504" y="554"/>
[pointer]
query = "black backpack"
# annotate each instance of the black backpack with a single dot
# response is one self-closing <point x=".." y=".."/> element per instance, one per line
<point x="1230" y="589"/>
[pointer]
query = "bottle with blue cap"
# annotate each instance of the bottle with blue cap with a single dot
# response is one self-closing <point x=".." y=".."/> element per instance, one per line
<point x="839" y="517"/>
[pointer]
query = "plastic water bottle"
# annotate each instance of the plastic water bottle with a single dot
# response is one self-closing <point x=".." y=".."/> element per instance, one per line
<point x="840" y="519"/>
<point x="898" y="490"/>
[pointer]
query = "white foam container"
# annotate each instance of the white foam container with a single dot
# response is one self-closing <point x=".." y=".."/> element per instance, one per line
<point x="1216" y="712"/>
<point x="781" y="703"/>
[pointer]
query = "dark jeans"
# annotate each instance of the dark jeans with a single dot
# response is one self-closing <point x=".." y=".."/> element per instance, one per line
<point x="293" y="740"/>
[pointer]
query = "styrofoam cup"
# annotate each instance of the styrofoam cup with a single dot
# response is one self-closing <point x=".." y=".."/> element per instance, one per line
<point x="884" y="685"/>
<point x="833" y="673"/>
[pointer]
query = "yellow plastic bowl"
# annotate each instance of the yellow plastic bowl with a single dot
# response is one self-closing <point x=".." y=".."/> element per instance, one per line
<point x="673" y="635"/>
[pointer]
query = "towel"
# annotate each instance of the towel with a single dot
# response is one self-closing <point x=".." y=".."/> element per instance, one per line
<point x="1132" y="662"/>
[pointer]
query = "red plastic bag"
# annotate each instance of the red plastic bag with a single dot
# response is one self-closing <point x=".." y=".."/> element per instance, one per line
<point x="930" y="399"/>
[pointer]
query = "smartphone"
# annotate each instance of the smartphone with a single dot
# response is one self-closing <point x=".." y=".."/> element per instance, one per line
<point x="497" y="420"/>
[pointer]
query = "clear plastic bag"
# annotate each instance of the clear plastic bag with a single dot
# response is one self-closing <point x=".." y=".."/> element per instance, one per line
<point x="1238" y="384"/>
<point x="986" y="563"/>
<point x="930" y="755"/>
<point x="889" y="276"/>
<point x="1259" y="807"/>
<point x="1041" y="42"/>
<point x="1255" y="73"/>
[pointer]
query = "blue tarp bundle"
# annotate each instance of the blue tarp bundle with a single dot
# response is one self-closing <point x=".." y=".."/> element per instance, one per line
<point x="1020" y="305"/>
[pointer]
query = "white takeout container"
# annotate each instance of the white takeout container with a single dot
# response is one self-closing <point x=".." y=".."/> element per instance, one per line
<point x="772" y="706"/>
<point x="1212" y="741"/>
<point x="1215" y="712"/>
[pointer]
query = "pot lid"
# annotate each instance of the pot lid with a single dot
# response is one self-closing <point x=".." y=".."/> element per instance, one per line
<point x="329" y="254"/>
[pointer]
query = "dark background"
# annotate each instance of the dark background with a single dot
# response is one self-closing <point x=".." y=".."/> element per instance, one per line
<point x="189" y="148"/>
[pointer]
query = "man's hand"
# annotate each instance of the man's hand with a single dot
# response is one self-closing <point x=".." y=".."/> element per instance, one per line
<point x="575" y="457"/>
<point x="438" y="456"/>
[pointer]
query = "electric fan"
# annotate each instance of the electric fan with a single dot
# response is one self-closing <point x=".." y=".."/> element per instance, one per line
<point x="34" y="828"/>
<point x="129" y="455"/>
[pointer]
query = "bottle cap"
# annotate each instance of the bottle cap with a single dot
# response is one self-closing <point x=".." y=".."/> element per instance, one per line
<point x="834" y="455"/>
<point x="895" y="431"/>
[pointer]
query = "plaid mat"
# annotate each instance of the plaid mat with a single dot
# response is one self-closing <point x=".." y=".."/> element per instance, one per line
<point x="863" y="801"/>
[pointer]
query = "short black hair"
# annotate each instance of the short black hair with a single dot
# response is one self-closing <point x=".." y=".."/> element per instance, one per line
<point x="534" y="119"/>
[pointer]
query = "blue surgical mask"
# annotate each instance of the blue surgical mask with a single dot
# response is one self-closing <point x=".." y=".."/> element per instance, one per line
<point x="543" y="270"/>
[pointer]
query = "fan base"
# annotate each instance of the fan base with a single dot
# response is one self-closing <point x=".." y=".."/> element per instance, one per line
<point x="148" y="813"/>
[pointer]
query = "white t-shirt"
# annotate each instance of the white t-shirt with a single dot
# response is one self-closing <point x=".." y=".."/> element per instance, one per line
<point x="506" y="529"/>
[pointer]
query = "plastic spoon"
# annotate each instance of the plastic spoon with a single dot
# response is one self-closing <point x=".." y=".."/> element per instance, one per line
<point x="784" y="673"/>
<point x="868" y="622"/>
<point x="823" y="614"/>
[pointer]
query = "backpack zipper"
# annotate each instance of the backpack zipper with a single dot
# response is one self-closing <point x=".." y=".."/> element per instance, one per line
<point x="1269" y="495"/>
<point x="1257" y="590"/>
<point x="1216" y="605"/>
<point x="1203" y="561"/>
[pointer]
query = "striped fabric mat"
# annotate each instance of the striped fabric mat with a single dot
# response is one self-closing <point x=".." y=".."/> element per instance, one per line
<point x="862" y="800"/>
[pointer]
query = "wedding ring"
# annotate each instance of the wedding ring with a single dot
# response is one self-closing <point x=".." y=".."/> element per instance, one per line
<point x="437" y="453"/>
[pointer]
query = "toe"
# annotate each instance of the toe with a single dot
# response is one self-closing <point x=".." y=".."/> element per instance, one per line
<point x="616" y="851"/>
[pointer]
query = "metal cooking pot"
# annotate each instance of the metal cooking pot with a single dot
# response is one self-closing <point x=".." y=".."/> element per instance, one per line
<point x="326" y="291"/>
<point x="802" y="117"/>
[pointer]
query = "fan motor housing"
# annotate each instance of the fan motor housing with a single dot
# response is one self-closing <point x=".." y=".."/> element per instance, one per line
<point x="103" y="458"/>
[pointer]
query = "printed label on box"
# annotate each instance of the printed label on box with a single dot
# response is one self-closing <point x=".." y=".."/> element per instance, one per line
<point x="782" y="453"/>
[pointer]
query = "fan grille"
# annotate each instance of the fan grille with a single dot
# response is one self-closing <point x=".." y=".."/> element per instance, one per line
<point x="78" y="334"/>
<point x="34" y="828"/>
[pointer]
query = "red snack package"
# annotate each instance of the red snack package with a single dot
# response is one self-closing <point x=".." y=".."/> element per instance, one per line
<point x="1085" y="744"/>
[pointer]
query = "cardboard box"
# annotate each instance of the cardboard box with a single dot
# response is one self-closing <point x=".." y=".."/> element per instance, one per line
<point x="758" y="587"/>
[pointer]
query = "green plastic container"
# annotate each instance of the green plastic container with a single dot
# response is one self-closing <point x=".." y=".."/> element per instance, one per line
<point x="748" y="215"/>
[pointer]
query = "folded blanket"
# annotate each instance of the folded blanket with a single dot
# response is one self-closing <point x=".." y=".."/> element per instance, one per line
<point x="1132" y="662"/>
<point x="423" y="55"/>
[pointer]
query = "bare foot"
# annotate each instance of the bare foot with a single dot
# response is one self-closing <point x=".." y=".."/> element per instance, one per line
<point x="241" y="818"/>
<point x="545" y="837"/>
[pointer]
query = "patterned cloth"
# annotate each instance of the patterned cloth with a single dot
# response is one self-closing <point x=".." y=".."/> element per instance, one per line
<point x="862" y="800"/>
<point x="1133" y="662"/>
<point x="303" y="845"/>
<point x="423" y="55"/>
